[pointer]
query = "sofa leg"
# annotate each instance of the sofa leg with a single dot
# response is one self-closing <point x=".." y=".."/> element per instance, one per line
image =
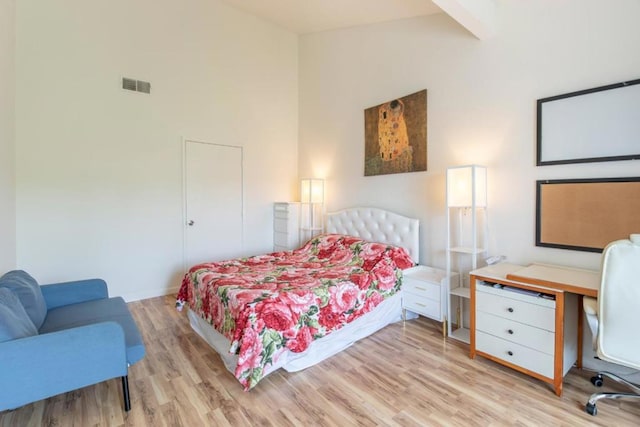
<point x="125" y="393"/>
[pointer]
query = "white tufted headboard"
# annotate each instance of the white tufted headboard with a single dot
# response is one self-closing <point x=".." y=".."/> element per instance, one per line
<point x="377" y="225"/>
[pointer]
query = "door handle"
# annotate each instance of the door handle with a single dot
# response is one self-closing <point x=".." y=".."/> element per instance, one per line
<point x="190" y="223"/>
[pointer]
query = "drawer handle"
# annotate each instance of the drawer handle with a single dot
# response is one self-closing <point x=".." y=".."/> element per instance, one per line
<point x="510" y="309"/>
<point x="510" y="331"/>
<point x="421" y="305"/>
<point x="510" y="353"/>
<point x="420" y="289"/>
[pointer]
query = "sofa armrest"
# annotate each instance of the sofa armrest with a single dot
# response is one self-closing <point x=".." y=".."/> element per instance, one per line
<point x="41" y="366"/>
<point x="66" y="293"/>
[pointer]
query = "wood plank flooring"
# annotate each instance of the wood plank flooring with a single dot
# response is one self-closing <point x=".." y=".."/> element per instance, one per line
<point x="404" y="375"/>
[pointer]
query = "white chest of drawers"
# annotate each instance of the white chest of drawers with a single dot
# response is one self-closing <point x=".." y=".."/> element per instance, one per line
<point x="520" y="331"/>
<point x="529" y="328"/>
<point x="286" y="226"/>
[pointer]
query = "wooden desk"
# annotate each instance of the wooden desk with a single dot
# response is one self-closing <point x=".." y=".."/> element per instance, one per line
<point x="574" y="280"/>
<point x="507" y="325"/>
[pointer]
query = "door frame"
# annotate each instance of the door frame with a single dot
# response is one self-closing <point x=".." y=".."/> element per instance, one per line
<point x="185" y="141"/>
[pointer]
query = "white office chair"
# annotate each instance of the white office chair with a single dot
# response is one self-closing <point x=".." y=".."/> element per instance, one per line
<point x="614" y="318"/>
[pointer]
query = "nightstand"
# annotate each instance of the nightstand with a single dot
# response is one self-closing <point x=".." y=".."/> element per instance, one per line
<point x="424" y="291"/>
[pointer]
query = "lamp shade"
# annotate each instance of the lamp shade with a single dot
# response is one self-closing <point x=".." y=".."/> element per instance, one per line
<point x="311" y="190"/>
<point x="467" y="186"/>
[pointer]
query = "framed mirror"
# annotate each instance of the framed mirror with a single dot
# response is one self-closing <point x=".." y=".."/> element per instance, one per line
<point x="592" y="125"/>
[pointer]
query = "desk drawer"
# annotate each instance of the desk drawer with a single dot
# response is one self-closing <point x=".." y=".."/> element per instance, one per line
<point x="515" y="354"/>
<point x="519" y="333"/>
<point x="519" y="311"/>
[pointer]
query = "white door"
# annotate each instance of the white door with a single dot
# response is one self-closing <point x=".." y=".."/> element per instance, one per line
<point x="213" y="202"/>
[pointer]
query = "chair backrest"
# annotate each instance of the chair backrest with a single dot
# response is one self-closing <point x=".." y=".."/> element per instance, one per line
<point x="619" y="303"/>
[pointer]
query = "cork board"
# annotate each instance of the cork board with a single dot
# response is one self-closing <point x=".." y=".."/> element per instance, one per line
<point x="586" y="214"/>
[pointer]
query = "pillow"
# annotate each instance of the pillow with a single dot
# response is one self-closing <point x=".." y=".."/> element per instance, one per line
<point x="28" y="292"/>
<point x="14" y="321"/>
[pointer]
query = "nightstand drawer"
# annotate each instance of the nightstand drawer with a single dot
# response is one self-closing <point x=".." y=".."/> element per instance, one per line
<point x="418" y="287"/>
<point x="515" y="354"/>
<point x="519" y="333"/>
<point x="421" y="305"/>
<point x="519" y="311"/>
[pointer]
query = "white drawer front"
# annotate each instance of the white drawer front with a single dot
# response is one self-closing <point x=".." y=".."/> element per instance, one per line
<point x="519" y="311"/>
<point x="281" y="214"/>
<point x="425" y="289"/>
<point x="535" y="338"/>
<point x="282" y="239"/>
<point x="421" y="305"/>
<point x="282" y="207"/>
<point x="516" y="354"/>
<point x="281" y="225"/>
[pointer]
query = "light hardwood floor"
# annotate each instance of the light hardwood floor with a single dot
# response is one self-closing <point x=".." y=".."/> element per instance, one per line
<point x="404" y="375"/>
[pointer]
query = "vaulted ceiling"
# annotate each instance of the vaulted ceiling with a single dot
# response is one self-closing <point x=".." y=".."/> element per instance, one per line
<point x="309" y="16"/>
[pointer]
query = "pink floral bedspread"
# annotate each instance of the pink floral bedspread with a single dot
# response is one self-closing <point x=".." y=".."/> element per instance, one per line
<point x="270" y="303"/>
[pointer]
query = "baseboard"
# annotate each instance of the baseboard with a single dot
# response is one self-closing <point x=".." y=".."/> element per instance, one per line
<point x="150" y="293"/>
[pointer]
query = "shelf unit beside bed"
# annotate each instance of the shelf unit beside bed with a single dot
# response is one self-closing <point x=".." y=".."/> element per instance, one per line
<point x="467" y="241"/>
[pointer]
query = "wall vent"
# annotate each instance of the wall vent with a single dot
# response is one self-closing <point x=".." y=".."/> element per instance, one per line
<point x="144" y="87"/>
<point x="128" y="84"/>
<point x="136" y="85"/>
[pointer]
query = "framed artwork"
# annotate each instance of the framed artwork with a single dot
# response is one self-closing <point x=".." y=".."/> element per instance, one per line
<point x="395" y="136"/>
<point x="586" y="214"/>
<point x="592" y="125"/>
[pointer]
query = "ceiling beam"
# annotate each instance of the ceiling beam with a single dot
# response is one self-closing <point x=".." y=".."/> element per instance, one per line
<point x="477" y="16"/>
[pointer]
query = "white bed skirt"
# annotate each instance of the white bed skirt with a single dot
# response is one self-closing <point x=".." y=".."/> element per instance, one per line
<point x="389" y="311"/>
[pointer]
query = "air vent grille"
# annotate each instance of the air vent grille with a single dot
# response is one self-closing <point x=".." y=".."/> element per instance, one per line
<point x="136" y="85"/>
<point x="144" y="87"/>
<point x="128" y="84"/>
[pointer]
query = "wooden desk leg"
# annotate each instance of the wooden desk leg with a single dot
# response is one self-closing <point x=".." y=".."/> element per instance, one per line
<point x="559" y="344"/>
<point x="557" y="387"/>
<point x="580" y="331"/>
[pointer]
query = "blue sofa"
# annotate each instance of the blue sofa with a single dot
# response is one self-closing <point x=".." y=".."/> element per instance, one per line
<point x="61" y="337"/>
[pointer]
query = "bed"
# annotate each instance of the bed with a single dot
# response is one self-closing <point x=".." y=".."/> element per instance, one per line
<point x="294" y="309"/>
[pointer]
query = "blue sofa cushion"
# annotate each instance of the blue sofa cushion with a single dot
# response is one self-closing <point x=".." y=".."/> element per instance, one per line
<point x="14" y="320"/>
<point x="102" y="310"/>
<point x="28" y="292"/>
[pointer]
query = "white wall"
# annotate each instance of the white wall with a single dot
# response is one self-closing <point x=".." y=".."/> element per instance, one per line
<point x="481" y="109"/>
<point x="7" y="136"/>
<point x="99" y="169"/>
